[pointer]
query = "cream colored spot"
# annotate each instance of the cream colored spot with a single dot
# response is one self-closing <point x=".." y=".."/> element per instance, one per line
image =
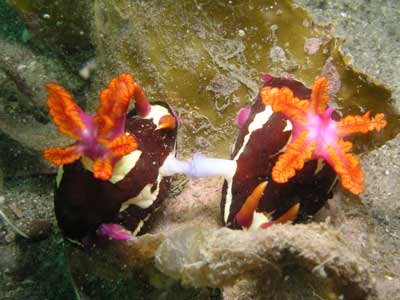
<point x="283" y="149"/>
<point x="125" y="165"/>
<point x="320" y="165"/>
<point x="258" y="219"/>
<point x="288" y="126"/>
<point x="333" y="184"/>
<point x="137" y="229"/>
<point x="145" y="198"/>
<point x="87" y="163"/>
<point x="121" y="168"/>
<point x="156" y="113"/>
<point x="258" y="122"/>
<point x="228" y="198"/>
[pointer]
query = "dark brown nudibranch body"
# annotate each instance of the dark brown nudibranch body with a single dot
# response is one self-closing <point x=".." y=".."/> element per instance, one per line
<point x="114" y="177"/>
<point x="83" y="202"/>
<point x="262" y="138"/>
<point x="290" y="153"/>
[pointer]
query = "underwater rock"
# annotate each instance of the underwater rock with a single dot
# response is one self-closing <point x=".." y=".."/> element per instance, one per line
<point x="370" y="30"/>
<point x="330" y="72"/>
<point x="65" y="25"/>
<point x="381" y="199"/>
<point x="134" y="254"/>
<point x="21" y="142"/>
<point x="203" y="257"/>
<point x="312" y="45"/>
<point x="186" y="244"/>
<point x="23" y="116"/>
<point x="29" y="72"/>
<point x="187" y="73"/>
<point x="39" y="229"/>
<point x="196" y="204"/>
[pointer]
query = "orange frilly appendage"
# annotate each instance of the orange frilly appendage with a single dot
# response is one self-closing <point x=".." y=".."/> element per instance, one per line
<point x="142" y="104"/>
<point x="61" y="156"/>
<point x="282" y="100"/>
<point x="114" y="102"/>
<point x="116" y="148"/>
<point x="102" y="168"/>
<point x="360" y="124"/>
<point x="100" y="138"/>
<point x="317" y="135"/>
<point x="319" y="96"/>
<point x="296" y="154"/>
<point x="122" y="145"/>
<point x="65" y="112"/>
<point x="347" y="166"/>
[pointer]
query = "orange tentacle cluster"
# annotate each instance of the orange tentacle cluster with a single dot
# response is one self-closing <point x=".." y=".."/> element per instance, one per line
<point x="65" y="112"/>
<point x="100" y="137"/>
<point x="141" y="102"/>
<point x="122" y="145"/>
<point x="296" y="154"/>
<point x="319" y="96"/>
<point x="360" y="124"/>
<point x="61" y="156"/>
<point x="316" y="135"/>
<point x="347" y="166"/>
<point x="102" y="168"/>
<point x="114" y="102"/>
<point x="283" y="100"/>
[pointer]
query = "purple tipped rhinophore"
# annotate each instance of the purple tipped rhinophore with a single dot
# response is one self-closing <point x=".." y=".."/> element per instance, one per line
<point x="242" y="116"/>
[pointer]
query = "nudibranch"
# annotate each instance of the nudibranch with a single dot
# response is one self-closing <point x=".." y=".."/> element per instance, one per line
<point x="117" y="172"/>
<point x="288" y="156"/>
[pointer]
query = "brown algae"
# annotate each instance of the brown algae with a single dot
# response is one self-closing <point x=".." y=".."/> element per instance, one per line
<point x="211" y="64"/>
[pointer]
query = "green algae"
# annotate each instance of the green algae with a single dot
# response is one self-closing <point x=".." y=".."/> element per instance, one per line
<point x="359" y="94"/>
<point x="60" y="24"/>
<point x="11" y="27"/>
<point x="206" y="58"/>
